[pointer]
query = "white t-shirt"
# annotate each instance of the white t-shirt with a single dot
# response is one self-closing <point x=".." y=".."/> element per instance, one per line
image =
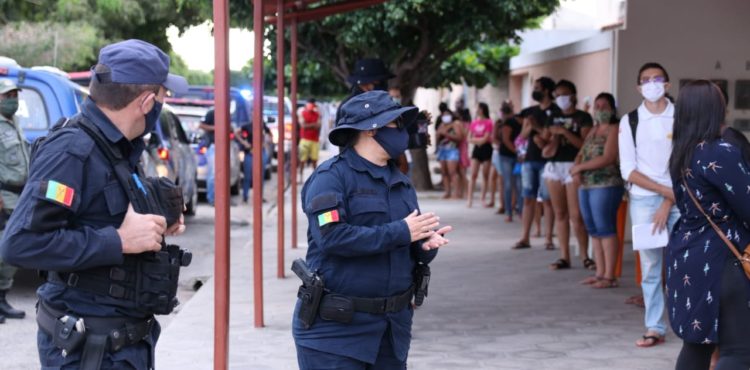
<point x="651" y="156"/>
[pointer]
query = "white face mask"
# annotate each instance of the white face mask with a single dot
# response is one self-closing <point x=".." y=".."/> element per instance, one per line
<point x="563" y="101"/>
<point x="652" y="91"/>
<point x="447" y="118"/>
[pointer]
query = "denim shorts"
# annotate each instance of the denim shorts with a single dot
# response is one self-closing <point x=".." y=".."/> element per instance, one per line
<point x="531" y="180"/>
<point x="448" y="154"/>
<point x="599" y="209"/>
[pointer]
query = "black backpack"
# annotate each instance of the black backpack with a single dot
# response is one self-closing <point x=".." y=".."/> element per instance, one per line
<point x="633" y="120"/>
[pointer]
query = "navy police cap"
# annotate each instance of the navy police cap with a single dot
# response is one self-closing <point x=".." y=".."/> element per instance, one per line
<point x="138" y="62"/>
<point x="369" y="111"/>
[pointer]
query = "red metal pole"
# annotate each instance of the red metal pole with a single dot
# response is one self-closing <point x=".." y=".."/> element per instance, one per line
<point x="257" y="174"/>
<point x="295" y="126"/>
<point x="282" y="139"/>
<point x="221" y="164"/>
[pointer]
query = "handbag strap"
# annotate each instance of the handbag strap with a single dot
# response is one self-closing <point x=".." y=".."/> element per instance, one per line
<point x="716" y="228"/>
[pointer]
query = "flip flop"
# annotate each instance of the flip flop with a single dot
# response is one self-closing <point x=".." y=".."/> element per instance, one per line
<point x="593" y="279"/>
<point x="589" y="264"/>
<point x="650" y="341"/>
<point x="549" y="246"/>
<point x="521" y="245"/>
<point x="560" y="264"/>
<point x="605" y="283"/>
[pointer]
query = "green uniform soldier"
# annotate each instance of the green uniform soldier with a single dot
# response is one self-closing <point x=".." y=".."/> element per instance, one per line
<point x="14" y="170"/>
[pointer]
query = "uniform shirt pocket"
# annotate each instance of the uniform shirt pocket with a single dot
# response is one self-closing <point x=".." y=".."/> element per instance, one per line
<point x="117" y="201"/>
<point x="366" y="210"/>
<point x="11" y="148"/>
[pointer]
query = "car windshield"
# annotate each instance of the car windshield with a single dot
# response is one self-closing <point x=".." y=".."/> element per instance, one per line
<point x="271" y="107"/>
<point x="32" y="113"/>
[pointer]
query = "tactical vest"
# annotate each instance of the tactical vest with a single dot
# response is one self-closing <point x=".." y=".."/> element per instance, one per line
<point x="148" y="280"/>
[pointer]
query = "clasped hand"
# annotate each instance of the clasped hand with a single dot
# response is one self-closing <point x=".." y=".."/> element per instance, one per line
<point x="424" y="227"/>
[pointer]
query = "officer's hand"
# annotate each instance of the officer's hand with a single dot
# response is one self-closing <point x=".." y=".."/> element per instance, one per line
<point x="178" y="228"/>
<point x="141" y="233"/>
<point x="438" y="239"/>
<point x="421" y="226"/>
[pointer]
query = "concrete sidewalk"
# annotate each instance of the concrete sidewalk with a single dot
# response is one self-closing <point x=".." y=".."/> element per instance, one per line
<point x="489" y="308"/>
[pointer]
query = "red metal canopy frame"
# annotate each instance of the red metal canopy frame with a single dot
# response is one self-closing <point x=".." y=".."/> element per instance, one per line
<point x="284" y="13"/>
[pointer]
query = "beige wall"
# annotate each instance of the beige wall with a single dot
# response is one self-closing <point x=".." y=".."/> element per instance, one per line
<point x="688" y="37"/>
<point x="589" y="72"/>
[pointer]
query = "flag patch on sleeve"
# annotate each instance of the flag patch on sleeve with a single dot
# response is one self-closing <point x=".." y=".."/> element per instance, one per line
<point x="328" y="217"/>
<point x="59" y="193"/>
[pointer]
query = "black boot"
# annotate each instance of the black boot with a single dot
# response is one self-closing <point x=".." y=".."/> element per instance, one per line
<point x="7" y="310"/>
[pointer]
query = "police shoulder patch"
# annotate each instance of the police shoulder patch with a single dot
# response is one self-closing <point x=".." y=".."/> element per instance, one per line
<point x="57" y="192"/>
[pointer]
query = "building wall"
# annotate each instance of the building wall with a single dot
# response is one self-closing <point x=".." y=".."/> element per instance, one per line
<point x="691" y="38"/>
<point x="590" y="72"/>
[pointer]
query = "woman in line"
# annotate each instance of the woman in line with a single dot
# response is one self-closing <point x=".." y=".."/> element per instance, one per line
<point x="707" y="290"/>
<point x="563" y="138"/>
<point x="480" y="134"/>
<point x="507" y="162"/>
<point x="450" y="133"/>
<point x="601" y="189"/>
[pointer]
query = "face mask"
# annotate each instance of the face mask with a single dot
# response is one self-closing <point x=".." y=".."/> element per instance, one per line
<point x="381" y="86"/>
<point x="652" y="91"/>
<point x="396" y="100"/>
<point x="393" y="140"/>
<point x="9" y="107"/>
<point x="563" y="101"/>
<point x="603" y="116"/>
<point x="447" y="118"/>
<point x="152" y="117"/>
<point x="537" y="95"/>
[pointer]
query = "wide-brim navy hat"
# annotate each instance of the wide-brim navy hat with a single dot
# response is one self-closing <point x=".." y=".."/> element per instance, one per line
<point x="138" y="62"/>
<point x="369" y="70"/>
<point x="369" y="111"/>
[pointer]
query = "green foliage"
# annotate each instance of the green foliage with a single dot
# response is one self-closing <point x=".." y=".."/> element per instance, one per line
<point x="68" y="46"/>
<point x="179" y="67"/>
<point x="424" y="42"/>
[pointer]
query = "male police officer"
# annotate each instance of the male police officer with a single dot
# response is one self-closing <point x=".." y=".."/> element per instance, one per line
<point x="367" y="240"/>
<point x="14" y="169"/>
<point x="77" y="220"/>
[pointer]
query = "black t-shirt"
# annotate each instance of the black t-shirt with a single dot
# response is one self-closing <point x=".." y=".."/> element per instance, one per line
<point x="515" y="131"/>
<point x="208" y="119"/>
<point x="574" y="123"/>
<point x="247" y="134"/>
<point x="542" y="117"/>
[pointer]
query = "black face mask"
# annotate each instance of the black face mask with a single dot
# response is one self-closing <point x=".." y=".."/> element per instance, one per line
<point x="537" y="95"/>
<point x="382" y="86"/>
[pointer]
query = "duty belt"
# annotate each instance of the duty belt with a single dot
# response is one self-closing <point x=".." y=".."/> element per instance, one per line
<point x="381" y="305"/>
<point x="96" y="334"/>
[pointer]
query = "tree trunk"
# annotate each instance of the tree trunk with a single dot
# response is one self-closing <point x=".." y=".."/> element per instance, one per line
<point x="420" y="168"/>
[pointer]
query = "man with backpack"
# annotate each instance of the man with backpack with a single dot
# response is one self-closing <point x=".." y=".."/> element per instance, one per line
<point x="645" y="144"/>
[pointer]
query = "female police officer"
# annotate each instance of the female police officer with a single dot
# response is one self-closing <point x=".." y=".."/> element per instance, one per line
<point x="366" y="236"/>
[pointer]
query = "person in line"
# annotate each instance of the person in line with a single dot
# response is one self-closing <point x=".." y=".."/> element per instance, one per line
<point x="480" y="135"/>
<point x="450" y="134"/>
<point x="244" y="137"/>
<point x="601" y="189"/>
<point x="496" y="178"/>
<point x="366" y="236"/>
<point x="464" y="116"/>
<point x="208" y="127"/>
<point x="645" y="142"/>
<point x="535" y="119"/>
<point x="707" y="289"/>
<point x="563" y="139"/>
<point x="507" y="162"/>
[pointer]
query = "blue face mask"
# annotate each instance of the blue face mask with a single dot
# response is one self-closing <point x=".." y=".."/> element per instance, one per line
<point x="152" y="117"/>
<point x="393" y="140"/>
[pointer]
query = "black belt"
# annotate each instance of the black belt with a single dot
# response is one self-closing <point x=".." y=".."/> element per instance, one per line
<point x="99" y="334"/>
<point x="18" y="189"/>
<point x="395" y="303"/>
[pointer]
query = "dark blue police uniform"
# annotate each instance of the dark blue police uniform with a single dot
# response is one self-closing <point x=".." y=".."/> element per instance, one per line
<point x="67" y="220"/>
<point x="361" y="246"/>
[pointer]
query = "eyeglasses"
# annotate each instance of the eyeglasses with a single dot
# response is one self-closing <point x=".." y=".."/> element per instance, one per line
<point x="659" y="79"/>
